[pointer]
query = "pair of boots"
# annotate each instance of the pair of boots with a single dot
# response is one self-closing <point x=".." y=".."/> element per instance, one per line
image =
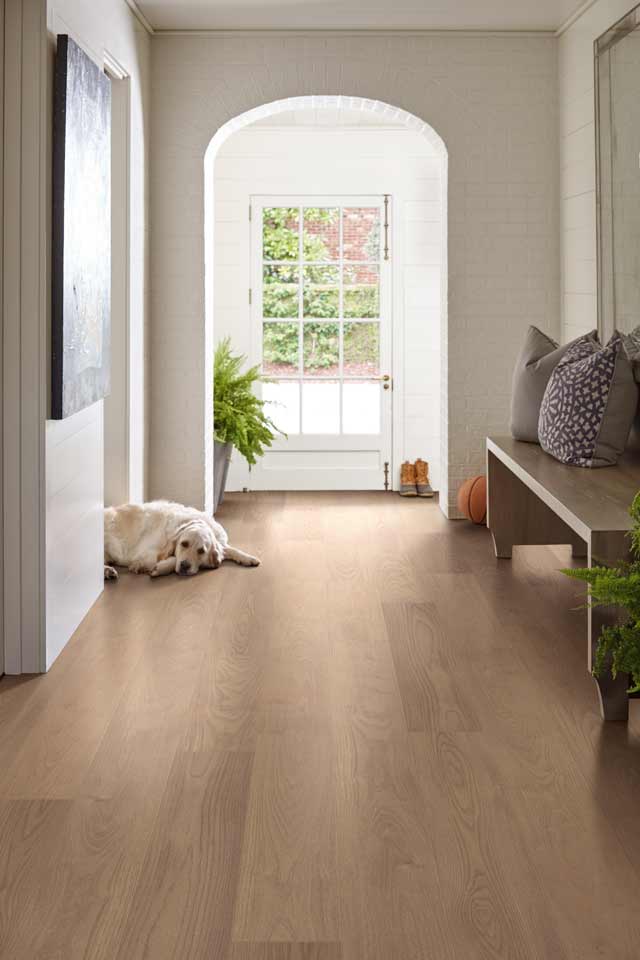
<point x="414" y="479"/>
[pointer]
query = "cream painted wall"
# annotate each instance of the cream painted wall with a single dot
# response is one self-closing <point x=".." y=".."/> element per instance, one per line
<point x="578" y="165"/>
<point x="320" y="160"/>
<point x="74" y="447"/>
<point x="494" y="103"/>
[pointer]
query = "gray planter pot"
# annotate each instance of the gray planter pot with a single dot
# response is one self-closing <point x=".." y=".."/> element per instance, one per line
<point x="221" y="461"/>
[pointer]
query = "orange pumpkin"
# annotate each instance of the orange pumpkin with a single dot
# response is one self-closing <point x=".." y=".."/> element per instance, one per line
<point x="472" y="499"/>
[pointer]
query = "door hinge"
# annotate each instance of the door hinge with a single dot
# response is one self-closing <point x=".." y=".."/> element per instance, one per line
<point x="250" y="296"/>
<point x="386" y="474"/>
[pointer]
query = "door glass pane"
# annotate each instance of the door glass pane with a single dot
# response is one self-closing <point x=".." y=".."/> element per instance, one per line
<point x="321" y="349"/>
<point x="361" y="407"/>
<point x="280" y="233"/>
<point x="361" y="290"/>
<point x="361" y="348"/>
<point x="321" y="292"/>
<point x="321" y="406"/>
<point x="280" y="354"/>
<point x="361" y="233"/>
<point x="280" y="291"/>
<point x="282" y="404"/>
<point x="321" y="233"/>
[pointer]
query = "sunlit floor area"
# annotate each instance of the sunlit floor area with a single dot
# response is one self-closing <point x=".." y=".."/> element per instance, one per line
<point x="381" y="744"/>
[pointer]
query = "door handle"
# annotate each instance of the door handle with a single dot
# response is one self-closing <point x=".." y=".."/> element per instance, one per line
<point x="386" y="381"/>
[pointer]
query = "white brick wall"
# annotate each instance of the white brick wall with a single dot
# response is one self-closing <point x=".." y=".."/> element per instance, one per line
<point x="578" y="165"/>
<point x="329" y="161"/>
<point x="493" y="102"/>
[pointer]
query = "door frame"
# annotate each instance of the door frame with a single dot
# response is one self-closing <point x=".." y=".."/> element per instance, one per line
<point x="256" y="204"/>
<point x="118" y="481"/>
<point x="25" y="310"/>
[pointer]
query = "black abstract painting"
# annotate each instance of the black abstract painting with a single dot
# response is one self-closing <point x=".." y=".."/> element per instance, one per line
<point x="81" y="257"/>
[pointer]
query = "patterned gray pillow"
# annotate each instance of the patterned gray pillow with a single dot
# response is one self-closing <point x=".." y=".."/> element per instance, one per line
<point x="589" y="405"/>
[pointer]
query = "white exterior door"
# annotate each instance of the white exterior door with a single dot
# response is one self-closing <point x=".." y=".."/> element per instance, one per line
<point x="321" y="330"/>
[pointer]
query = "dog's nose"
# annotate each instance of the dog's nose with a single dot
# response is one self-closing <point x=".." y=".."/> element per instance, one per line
<point x="184" y="566"/>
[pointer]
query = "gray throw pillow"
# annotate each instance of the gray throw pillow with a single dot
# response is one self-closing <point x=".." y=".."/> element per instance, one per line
<point x="589" y="405"/>
<point x="538" y="359"/>
<point x="631" y="343"/>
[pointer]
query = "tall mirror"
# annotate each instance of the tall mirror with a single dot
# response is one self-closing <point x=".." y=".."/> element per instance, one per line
<point x="617" y="66"/>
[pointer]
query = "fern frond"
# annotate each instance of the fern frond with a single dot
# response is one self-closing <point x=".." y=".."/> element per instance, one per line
<point x="618" y="647"/>
<point x="238" y="414"/>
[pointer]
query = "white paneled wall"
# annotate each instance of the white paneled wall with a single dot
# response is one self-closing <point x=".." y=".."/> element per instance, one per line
<point x="578" y="165"/>
<point x="74" y="447"/>
<point x="74" y="522"/>
<point x="297" y="159"/>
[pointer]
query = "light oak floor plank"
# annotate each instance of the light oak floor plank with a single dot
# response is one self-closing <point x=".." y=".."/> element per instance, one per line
<point x="381" y="744"/>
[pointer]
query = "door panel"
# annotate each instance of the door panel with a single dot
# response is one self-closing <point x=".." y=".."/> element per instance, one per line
<point x="321" y="328"/>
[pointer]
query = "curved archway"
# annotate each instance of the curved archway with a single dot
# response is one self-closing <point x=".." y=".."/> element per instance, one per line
<point x="387" y="114"/>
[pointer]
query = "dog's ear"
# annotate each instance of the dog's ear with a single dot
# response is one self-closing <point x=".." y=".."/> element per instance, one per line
<point x="169" y="549"/>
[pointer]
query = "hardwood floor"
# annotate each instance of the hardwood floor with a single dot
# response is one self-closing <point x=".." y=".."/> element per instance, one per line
<point x="379" y="745"/>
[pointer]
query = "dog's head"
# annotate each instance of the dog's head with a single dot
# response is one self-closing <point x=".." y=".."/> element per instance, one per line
<point x="196" y="548"/>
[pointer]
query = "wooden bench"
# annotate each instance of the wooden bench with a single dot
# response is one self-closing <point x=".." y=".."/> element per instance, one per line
<point x="534" y="499"/>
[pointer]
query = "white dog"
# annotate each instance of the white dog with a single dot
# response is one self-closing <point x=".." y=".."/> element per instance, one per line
<point x="162" y="537"/>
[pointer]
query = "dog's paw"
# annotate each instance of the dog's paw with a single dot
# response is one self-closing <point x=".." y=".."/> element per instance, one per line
<point x="110" y="573"/>
<point x="138" y="567"/>
<point x="154" y="573"/>
<point x="253" y="562"/>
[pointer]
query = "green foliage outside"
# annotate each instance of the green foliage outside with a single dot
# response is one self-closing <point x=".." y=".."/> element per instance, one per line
<point x="320" y="288"/>
<point x="280" y="234"/>
<point x="321" y="346"/>
<point x="238" y="415"/>
<point x="619" y="645"/>
<point x="362" y="344"/>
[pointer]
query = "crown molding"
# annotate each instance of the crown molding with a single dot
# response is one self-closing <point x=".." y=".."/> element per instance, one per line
<point x="575" y="16"/>
<point x="310" y="34"/>
<point x="140" y="17"/>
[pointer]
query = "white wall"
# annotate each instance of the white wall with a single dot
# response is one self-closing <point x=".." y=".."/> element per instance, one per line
<point x="493" y="102"/>
<point x="578" y="165"/>
<point x="277" y="160"/>
<point x="74" y="447"/>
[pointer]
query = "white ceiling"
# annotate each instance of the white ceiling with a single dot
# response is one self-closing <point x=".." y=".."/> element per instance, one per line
<point x="358" y="14"/>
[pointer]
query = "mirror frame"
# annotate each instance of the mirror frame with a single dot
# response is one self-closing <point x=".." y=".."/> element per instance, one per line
<point x="604" y="243"/>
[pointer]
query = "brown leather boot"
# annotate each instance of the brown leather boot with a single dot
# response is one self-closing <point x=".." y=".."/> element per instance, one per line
<point x="408" y="480"/>
<point x="422" y="479"/>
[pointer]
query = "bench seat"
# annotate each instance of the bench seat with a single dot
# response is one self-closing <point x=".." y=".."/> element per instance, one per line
<point x="534" y="499"/>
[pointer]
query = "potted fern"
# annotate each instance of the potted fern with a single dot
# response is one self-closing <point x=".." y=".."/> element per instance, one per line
<point x="619" y="645"/>
<point x="239" y="419"/>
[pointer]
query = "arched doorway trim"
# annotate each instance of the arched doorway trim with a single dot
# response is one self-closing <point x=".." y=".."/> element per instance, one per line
<point x="387" y="114"/>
